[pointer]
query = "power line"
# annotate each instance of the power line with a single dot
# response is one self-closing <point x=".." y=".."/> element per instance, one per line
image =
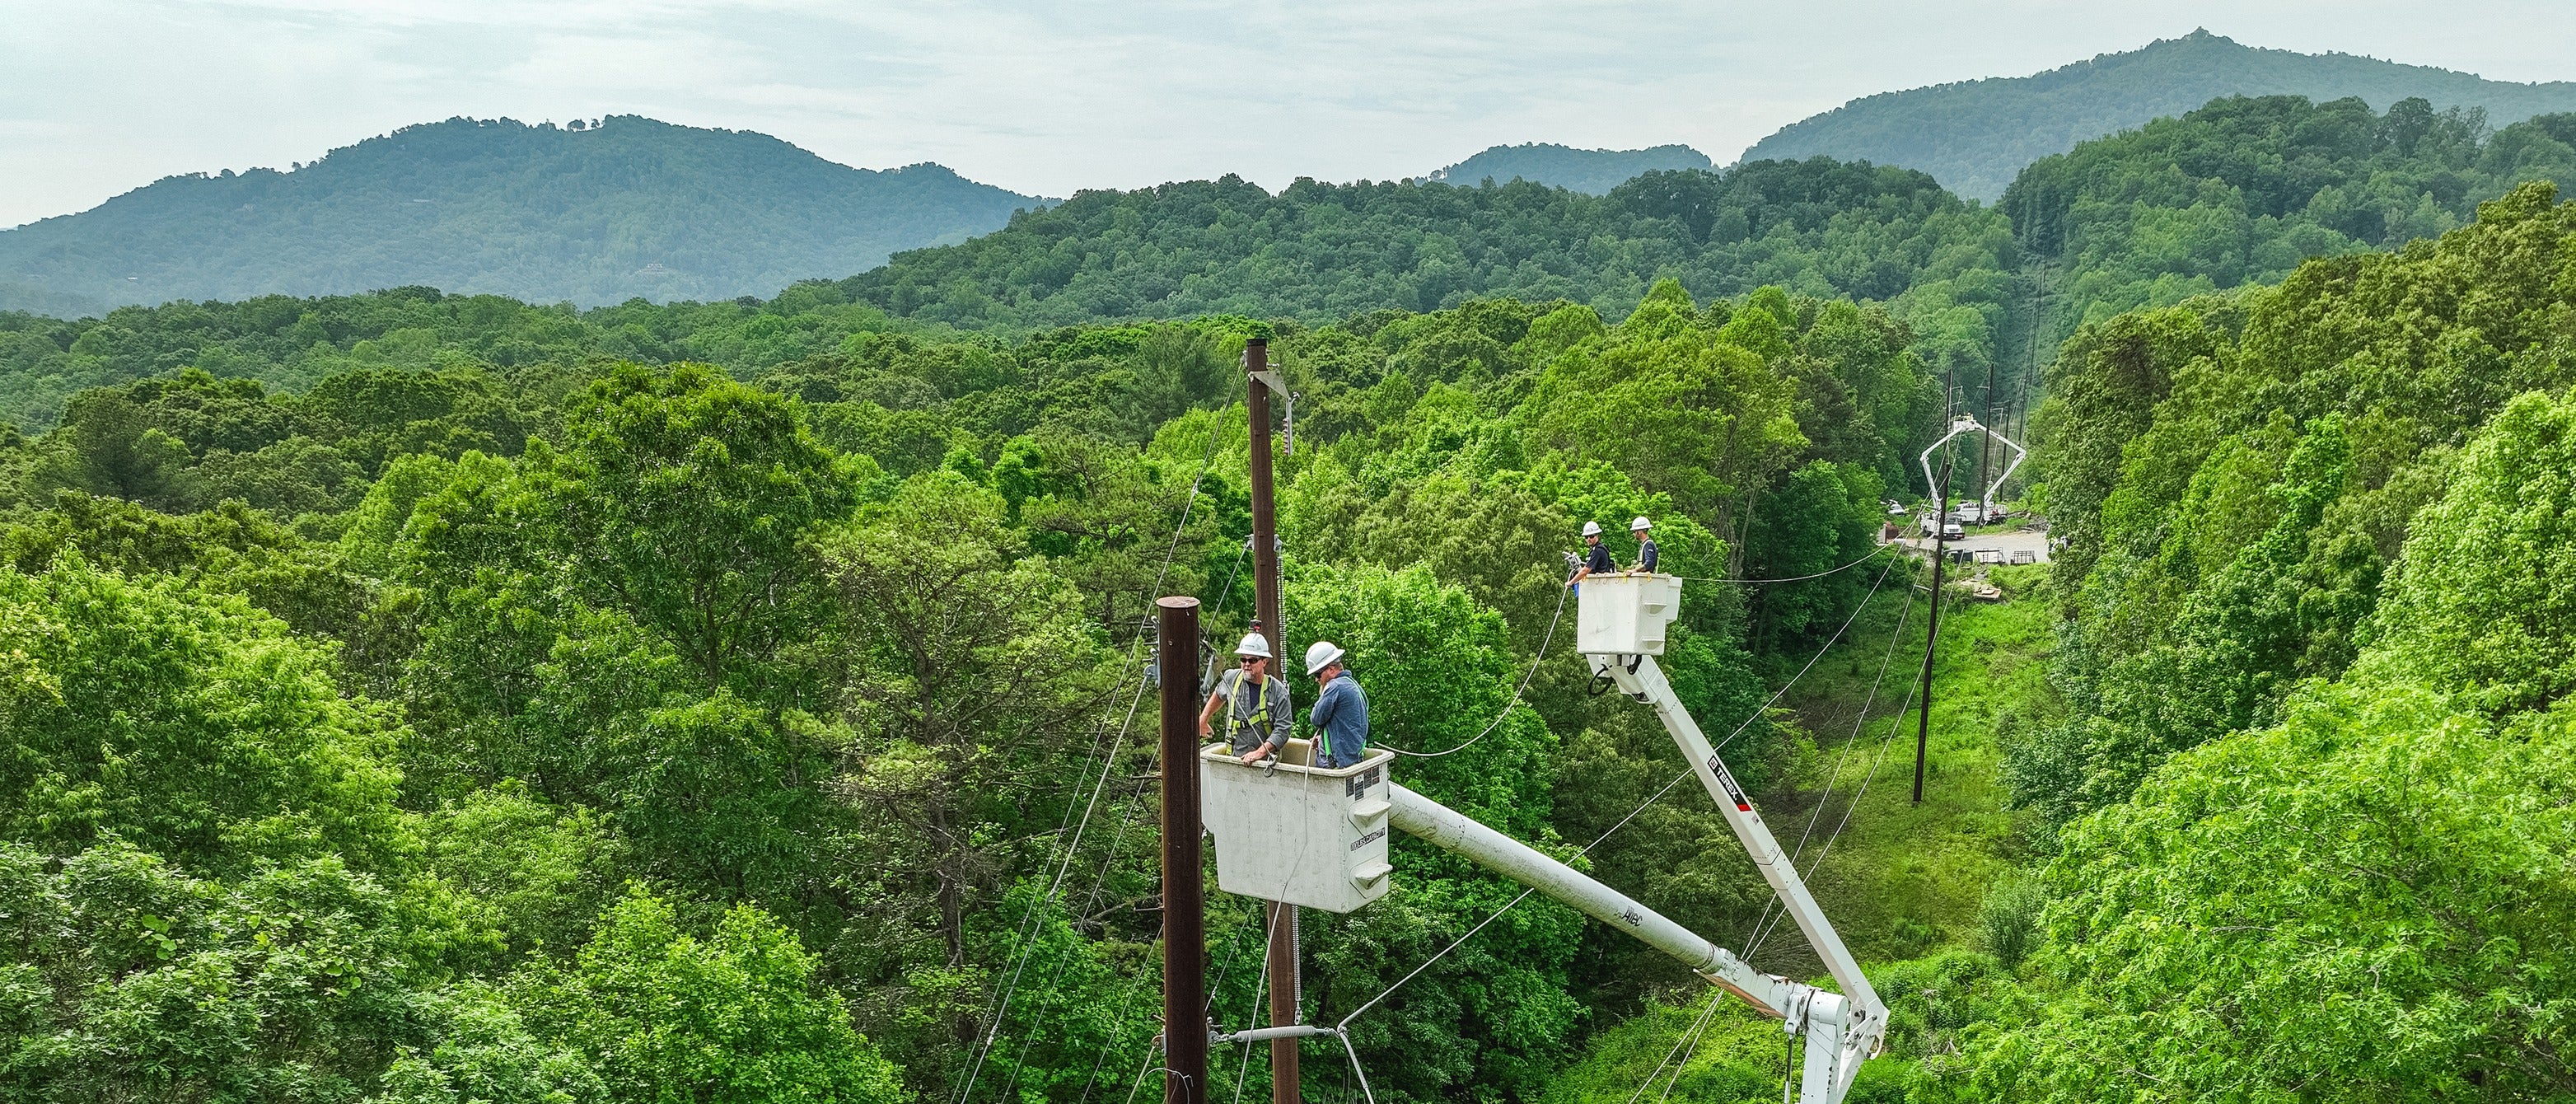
<point x="1557" y="617"/>
<point x="1707" y="1019"/>
<point x="1895" y="724"/>
<point x="1859" y="722"/>
<point x="1552" y="620"/>
<point x="1026" y="948"/>
<point x="1795" y="578"/>
<point x="1684" y="1038"/>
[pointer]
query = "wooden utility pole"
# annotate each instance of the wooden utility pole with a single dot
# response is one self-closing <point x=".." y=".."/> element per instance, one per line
<point x="1185" y="1025"/>
<point x="1923" y="720"/>
<point x="1285" y="992"/>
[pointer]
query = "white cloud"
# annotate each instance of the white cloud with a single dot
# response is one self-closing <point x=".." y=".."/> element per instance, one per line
<point x="99" y="98"/>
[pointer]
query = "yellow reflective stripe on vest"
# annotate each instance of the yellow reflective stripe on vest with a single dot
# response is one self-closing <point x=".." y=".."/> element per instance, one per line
<point x="1258" y="720"/>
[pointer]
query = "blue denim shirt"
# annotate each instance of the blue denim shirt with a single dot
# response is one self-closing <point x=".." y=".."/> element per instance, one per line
<point x="1341" y="714"/>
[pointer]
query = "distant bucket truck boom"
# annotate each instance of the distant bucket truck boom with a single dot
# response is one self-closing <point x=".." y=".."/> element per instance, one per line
<point x="1968" y="424"/>
<point x="1291" y="832"/>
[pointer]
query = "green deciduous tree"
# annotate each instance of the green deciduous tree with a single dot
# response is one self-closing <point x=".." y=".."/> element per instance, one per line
<point x="684" y="500"/>
<point x="2369" y="902"/>
<point x="1495" y="1016"/>
<point x="2480" y="605"/>
<point x="126" y="978"/>
<point x="187" y="723"/>
<point x="735" y="1015"/>
<point x="977" y="694"/>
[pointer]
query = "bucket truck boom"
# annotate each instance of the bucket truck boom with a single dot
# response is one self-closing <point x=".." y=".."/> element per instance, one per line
<point x="1620" y="627"/>
<point x="1317" y="837"/>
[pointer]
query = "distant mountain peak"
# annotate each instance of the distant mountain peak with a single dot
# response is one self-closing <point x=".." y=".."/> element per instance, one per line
<point x="1595" y="171"/>
<point x="1974" y="135"/>
<point x="614" y="208"/>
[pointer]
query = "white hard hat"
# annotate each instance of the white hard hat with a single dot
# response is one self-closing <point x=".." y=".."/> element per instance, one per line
<point x="1591" y="528"/>
<point x="1640" y="523"/>
<point x="1321" y="654"/>
<point x="1254" y="644"/>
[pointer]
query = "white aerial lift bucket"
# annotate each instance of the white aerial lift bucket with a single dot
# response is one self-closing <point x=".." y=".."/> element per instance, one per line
<point x="1623" y="614"/>
<point x="1295" y="833"/>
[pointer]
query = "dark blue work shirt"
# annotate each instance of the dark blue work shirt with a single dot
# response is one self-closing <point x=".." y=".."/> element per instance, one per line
<point x="1598" y="562"/>
<point x="1646" y="554"/>
<point x="1341" y="716"/>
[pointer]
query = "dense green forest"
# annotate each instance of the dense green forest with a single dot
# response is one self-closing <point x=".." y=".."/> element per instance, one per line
<point x="414" y="696"/>
<point x="1314" y="252"/>
<point x="2242" y="190"/>
<point x="1590" y="171"/>
<point x="586" y="723"/>
<point x="2307" y="772"/>
<point x="1977" y="135"/>
<point x="594" y="214"/>
<point x="1319" y="251"/>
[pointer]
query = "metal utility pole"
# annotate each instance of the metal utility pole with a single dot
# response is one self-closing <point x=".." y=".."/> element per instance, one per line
<point x="1185" y="1025"/>
<point x="1285" y="989"/>
<point x="1923" y="720"/>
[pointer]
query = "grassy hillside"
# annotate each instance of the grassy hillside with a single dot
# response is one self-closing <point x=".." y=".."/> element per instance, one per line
<point x="1922" y="894"/>
<point x="1592" y="171"/>
<point x="1974" y="135"/>
<point x="632" y="207"/>
<point x="2291" y="802"/>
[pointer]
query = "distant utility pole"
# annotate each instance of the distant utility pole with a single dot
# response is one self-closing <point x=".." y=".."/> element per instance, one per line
<point x="1285" y="988"/>
<point x="1185" y="1025"/>
<point x="1923" y="720"/>
<point x="1986" y="450"/>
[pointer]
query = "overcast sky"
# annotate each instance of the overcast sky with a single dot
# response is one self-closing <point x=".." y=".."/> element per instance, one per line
<point x="103" y="96"/>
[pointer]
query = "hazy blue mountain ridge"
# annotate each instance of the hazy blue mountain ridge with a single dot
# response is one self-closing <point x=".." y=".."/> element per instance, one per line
<point x="631" y="207"/>
<point x="1592" y="171"/>
<point x="1975" y="135"/>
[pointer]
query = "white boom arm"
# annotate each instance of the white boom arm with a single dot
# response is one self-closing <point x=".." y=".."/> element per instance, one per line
<point x="1620" y="625"/>
<point x="1962" y="424"/>
<point x="1316" y="837"/>
<point x="1840" y="1032"/>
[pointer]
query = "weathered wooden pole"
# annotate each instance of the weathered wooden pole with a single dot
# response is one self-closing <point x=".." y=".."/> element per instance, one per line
<point x="1185" y="1033"/>
<point x="1282" y="960"/>
<point x="1923" y="720"/>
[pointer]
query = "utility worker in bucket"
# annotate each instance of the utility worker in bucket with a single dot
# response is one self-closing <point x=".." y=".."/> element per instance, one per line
<point x="1646" y="549"/>
<point x="1255" y="703"/>
<point x="1596" y="561"/>
<point x="1341" y="710"/>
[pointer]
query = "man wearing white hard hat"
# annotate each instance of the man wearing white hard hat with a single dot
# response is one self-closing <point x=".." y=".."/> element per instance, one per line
<point x="1341" y="710"/>
<point x="1646" y="550"/>
<point x="1255" y="704"/>
<point x="1596" y="561"/>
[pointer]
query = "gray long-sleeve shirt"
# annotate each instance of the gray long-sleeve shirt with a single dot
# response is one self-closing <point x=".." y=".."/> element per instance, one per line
<point x="1242" y="707"/>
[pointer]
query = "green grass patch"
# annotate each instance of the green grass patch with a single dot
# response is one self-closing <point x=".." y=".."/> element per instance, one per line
<point x="1902" y="880"/>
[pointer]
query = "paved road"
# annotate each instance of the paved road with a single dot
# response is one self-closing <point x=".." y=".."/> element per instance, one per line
<point x="2007" y="542"/>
